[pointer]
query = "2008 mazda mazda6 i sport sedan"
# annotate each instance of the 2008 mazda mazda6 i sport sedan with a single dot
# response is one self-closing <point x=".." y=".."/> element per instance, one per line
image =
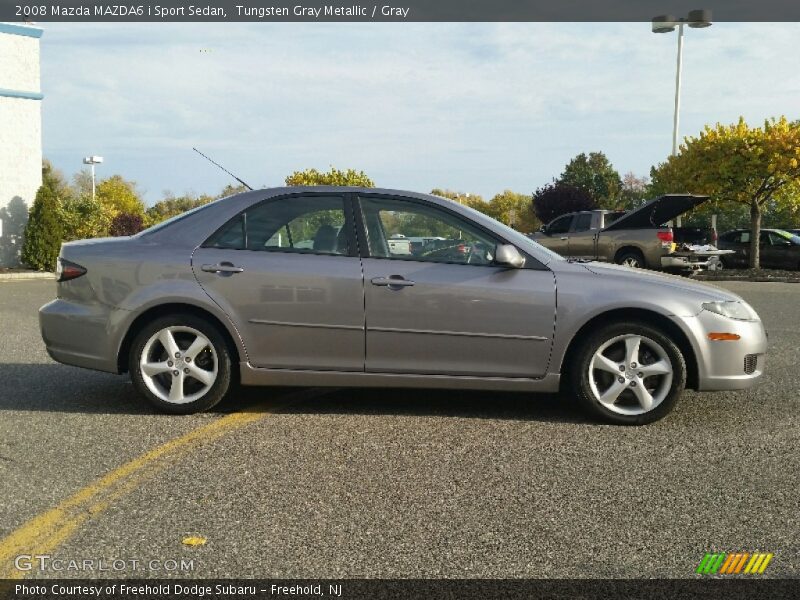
<point x="329" y="286"/>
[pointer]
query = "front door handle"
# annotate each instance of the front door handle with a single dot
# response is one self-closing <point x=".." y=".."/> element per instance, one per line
<point x="393" y="282"/>
<point x="565" y="238"/>
<point x="224" y="267"/>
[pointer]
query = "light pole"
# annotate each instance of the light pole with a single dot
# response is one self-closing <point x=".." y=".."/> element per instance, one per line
<point x="665" y="24"/>
<point x="92" y="161"/>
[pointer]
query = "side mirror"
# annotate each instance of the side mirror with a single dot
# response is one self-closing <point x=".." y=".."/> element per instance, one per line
<point x="508" y="255"/>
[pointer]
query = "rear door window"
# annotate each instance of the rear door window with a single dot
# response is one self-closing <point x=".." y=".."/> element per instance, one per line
<point x="305" y="224"/>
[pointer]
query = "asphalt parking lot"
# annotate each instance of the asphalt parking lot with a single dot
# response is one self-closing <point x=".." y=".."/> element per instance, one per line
<point x="390" y="483"/>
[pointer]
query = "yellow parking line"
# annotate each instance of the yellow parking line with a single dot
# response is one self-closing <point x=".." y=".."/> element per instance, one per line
<point x="45" y="532"/>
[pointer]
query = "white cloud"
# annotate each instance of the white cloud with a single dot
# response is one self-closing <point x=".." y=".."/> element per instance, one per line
<point x="478" y="107"/>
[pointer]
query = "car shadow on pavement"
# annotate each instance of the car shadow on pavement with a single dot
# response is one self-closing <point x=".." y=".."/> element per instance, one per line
<point x="423" y="403"/>
<point x="51" y="387"/>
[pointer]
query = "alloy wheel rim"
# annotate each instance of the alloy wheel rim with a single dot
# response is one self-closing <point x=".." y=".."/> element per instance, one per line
<point x="179" y="364"/>
<point x="631" y="262"/>
<point x="630" y="374"/>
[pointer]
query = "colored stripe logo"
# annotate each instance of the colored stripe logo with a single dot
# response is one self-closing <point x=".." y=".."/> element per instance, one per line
<point x="734" y="563"/>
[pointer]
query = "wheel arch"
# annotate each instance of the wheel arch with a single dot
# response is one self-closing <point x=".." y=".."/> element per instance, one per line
<point x="160" y="310"/>
<point x="639" y="315"/>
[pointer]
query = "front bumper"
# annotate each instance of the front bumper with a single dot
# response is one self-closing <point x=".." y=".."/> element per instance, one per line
<point x="79" y="334"/>
<point x="727" y="365"/>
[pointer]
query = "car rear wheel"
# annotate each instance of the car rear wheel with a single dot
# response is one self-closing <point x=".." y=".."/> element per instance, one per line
<point x="628" y="374"/>
<point x="631" y="258"/>
<point x="181" y="364"/>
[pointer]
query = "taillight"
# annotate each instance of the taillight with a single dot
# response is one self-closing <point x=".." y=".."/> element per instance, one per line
<point x="66" y="270"/>
<point x="665" y="236"/>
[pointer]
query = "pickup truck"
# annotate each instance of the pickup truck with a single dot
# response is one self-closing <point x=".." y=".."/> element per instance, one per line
<point x="638" y="238"/>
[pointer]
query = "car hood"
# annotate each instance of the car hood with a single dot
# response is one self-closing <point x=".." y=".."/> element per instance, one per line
<point x="627" y="275"/>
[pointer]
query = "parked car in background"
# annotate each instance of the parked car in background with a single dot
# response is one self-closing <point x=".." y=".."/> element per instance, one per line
<point x="639" y="238"/>
<point x="778" y="249"/>
<point x="224" y="293"/>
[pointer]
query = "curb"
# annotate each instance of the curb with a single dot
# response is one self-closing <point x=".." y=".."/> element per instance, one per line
<point x="763" y="279"/>
<point x="26" y="275"/>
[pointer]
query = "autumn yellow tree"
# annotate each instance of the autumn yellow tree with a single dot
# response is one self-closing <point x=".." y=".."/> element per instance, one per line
<point x="515" y="210"/>
<point x="475" y="201"/>
<point x="334" y="176"/>
<point x="118" y="196"/>
<point x="740" y="164"/>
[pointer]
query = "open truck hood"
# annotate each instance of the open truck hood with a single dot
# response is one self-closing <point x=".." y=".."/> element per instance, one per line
<point x="657" y="212"/>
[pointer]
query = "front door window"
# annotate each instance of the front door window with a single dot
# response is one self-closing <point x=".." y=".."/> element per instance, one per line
<point x="404" y="230"/>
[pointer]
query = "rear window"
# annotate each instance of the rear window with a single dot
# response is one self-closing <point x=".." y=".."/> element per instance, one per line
<point x="613" y="216"/>
<point x="175" y="219"/>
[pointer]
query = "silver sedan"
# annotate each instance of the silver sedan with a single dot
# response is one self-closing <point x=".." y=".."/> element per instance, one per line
<point x="331" y="286"/>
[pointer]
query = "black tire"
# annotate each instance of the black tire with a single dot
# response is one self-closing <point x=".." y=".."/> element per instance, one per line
<point x="221" y="385"/>
<point x="632" y="258"/>
<point x="578" y="373"/>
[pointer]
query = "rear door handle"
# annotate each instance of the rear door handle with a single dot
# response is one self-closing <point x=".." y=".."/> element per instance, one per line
<point x="393" y="282"/>
<point x="221" y="268"/>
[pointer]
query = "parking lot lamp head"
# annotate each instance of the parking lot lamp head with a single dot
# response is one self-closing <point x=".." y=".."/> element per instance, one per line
<point x="92" y="161"/>
<point x="699" y="19"/>
<point x="664" y="23"/>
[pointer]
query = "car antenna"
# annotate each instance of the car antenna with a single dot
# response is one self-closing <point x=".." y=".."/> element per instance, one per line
<point x="223" y="168"/>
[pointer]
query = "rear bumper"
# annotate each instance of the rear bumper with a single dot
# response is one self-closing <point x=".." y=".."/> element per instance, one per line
<point x="78" y="334"/>
<point x="686" y="263"/>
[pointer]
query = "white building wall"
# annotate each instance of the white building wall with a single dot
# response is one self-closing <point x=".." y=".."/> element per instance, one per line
<point x="20" y="133"/>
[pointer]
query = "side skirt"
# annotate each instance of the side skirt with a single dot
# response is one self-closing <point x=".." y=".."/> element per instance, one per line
<point x="290" y="377"/>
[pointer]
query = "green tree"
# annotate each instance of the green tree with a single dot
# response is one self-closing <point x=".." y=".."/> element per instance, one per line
<point x="172" y="206"/>
<point x="82" y="184"/>
<point x="634" y="192"/>
<point x="84" y="218"/>
<point x="43" y="231"/>
<point x="595" y="174"/>
<point x="230" y="190"/>
<point x="758" y="167"/>
<point x="334" y="176"/>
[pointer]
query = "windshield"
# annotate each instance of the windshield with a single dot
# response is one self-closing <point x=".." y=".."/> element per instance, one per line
<point x="795" y="239"/>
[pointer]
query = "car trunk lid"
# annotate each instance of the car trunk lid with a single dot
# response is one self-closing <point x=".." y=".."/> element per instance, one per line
<point x="658" y="211"/>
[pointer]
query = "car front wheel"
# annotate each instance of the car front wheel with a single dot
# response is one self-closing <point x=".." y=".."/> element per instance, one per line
<point x="181" y="364"/>
<point x="628" y="374"/>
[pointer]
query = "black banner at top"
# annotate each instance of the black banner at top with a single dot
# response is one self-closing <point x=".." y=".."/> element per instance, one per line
<point x="395" y="10"/>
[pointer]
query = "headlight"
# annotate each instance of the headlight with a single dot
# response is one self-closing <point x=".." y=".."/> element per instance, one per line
<point x="732" y="309"/>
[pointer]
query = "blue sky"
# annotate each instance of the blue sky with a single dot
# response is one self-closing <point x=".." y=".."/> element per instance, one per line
<point x="471" y="107"/>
